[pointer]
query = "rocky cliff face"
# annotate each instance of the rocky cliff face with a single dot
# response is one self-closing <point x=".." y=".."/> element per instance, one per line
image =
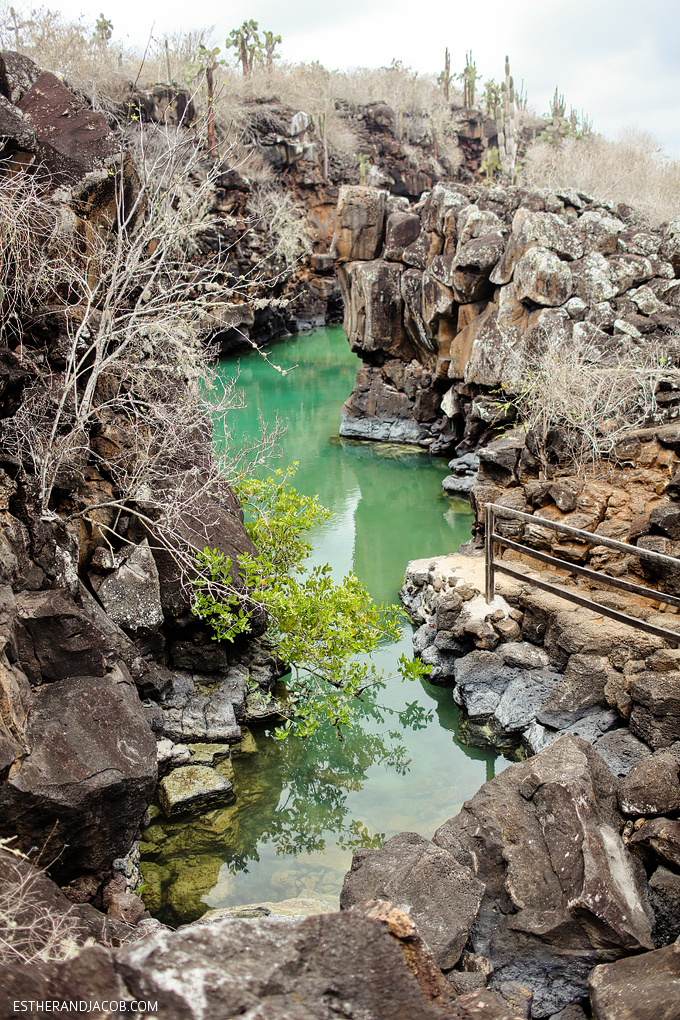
<point x="445" y="298"/>
<point x="99" y="652"/>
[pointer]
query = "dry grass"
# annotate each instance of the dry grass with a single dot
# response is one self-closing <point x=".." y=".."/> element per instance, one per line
<point x="34" y="239"/>
<point x="103" y="72"/>
<point x="632" y="170"/>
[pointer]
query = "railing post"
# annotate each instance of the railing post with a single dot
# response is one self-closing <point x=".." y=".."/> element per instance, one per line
<point x="488" y="553"/>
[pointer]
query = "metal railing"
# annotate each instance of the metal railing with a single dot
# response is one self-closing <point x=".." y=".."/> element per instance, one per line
<point x="491" y="539"/>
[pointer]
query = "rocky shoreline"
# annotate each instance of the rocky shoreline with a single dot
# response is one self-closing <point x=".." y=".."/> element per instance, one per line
<point x="554" y="890"/>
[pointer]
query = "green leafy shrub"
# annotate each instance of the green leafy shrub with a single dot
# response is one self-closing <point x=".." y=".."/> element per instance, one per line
<point x="326" y="631"/>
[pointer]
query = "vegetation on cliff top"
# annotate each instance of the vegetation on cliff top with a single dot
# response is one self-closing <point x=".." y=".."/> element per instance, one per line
<point x="563" y="150"/>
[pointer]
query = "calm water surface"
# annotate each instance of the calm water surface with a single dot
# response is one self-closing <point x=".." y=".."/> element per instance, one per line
<point x="303" y="806"/>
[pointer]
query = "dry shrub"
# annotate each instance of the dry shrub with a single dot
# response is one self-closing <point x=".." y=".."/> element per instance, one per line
<point x="34" y="240"/>
<point x="61" y="45"/>
<point x="133" y="355"/>
<point x="102" y="73"/>
<point x="632" y="170"/>
<point x="284" y="221"/>
<point x="342" y="141"/>
<point x="250" y="164"/>
<point x="587" y="398"/>
<point x="32" y="928"/>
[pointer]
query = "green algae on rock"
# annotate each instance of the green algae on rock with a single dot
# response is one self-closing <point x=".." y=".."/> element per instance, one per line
<point x="191" y="787"/>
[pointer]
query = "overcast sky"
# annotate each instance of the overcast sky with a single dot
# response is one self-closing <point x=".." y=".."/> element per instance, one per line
<point x="617" y="60"/>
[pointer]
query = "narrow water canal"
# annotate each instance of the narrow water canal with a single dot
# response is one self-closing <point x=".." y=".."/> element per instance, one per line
<point x="304" y="805"/>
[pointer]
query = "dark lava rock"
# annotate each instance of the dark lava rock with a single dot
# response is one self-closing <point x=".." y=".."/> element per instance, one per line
<point x="651" y="787"/>
<point x="593" y="724"/>
<point x="41" y="913"/>
<point x="643" y="987"/>
<point x="581" y="688"/>
<point x="57" y="639"/>
<point x="656" y="713"/>
<point x="562" y="892"/>
<point x="664" y="896"/>
<point x="423" y="637"/>
<point x="369" y="963"/>
<point x="621" y="750"/>
<point x="512" y="696"/>
<point x="442" y="896"/>
<point x="13" y="377"/>
<point x="443" y="664"/>
<point x="658" y="839"/>
<point x="81" y="792"/>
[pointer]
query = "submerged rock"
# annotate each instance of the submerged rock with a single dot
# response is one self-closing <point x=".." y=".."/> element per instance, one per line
<point x="192" y="787"/>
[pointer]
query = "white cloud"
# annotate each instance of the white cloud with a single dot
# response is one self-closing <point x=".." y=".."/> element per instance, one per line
<point x="618" y="60"/>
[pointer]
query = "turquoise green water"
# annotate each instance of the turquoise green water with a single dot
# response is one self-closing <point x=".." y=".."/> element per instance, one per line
<point x="302" y="806"/>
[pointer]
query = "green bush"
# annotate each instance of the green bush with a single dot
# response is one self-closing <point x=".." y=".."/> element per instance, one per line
<point x="325" y="631"/>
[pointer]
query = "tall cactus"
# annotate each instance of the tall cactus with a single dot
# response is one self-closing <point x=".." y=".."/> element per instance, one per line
<point x="469" y="78"/>
<point x="444" y="78"/>
<point x="508" y="124"/>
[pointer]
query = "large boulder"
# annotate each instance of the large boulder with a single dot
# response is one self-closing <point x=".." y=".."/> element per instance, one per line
<point x="131" y="594"/>
<point x="651" y="787"/>
<point x="57" y="639"/>
<point x="542" y="278"/>
<point x="655" y="717"/>
<point x="403" y="228"/>
<point x="536" y="230"/>
<point x="643" y="987"/>
<point x="562" y="893"/>
<point x="74" y="145"/>
<point x="81" y="791"/>
<point x="442" y="896"/>
<point x="360" y="222"/>
<point x="374" y="308"/>
<point x="371" y="963"/>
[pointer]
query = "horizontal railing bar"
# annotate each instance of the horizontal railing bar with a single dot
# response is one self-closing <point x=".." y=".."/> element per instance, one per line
<point x="588" y="536"/>
<point x="593" y="575"/>
<point x="613" y="614"/>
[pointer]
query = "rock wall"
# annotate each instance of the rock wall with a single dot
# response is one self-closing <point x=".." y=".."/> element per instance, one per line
<point x="530" y="665"/>
<point x="284" y="296"/>
<point x="103" y="668"/>
<point x="444" y="297"/>
<point x="634" y="502"/>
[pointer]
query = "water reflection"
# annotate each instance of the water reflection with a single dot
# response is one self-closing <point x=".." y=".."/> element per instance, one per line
<point x="303" y="806"/>
<point x="292" y="802"/>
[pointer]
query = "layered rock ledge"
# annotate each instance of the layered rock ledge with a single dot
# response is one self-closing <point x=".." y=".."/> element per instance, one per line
<point x="444" y="298"/>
